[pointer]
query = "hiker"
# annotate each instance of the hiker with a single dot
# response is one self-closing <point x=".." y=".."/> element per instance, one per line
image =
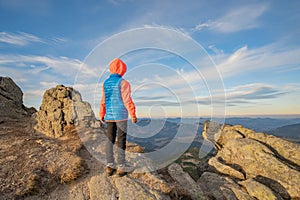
<point x="115" y="105"/>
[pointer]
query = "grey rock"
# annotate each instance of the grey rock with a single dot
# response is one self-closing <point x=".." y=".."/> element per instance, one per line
<point x="101" y="188"/>
<point x="186" y="181"/>
<point x="11" y="99"/>
<point x="225" y="169"/>
<point x="221" y="187"/>
<point x="288" y="150"/>
<point x="79" y="192"/>
<point x="131" y="189"/>
<point x="257" y="159"/>
<point x="273" y="160"/>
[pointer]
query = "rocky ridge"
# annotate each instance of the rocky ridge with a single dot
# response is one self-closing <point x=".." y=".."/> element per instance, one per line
<point x="266" y="167"/>
<point x="63" y="163"/>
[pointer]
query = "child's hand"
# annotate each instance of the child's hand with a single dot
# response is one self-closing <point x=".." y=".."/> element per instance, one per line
<point x="102" y="120"/>
<point x="134" y="120"/>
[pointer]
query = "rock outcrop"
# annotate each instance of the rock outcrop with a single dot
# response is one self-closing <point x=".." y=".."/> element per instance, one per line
<point x="11" y="99"/>
<point x="31" y="163"/>
<point x="256" y="160"/>
<point x="62" y="107"/>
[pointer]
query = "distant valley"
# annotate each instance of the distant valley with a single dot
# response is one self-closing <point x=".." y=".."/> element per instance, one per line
<point x="290" y="132"/>
<point x="154" y="134"/>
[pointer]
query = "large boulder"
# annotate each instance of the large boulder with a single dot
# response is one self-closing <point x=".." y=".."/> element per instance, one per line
<point x="11" y="99"/>
<point x="285" y="149"/>
<point x="63" y="107"/>
<point x="257" y="159"/>
<point x="272" y="162"/>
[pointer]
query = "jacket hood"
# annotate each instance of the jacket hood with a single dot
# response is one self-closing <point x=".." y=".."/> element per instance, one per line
<point x="117" y="66"/>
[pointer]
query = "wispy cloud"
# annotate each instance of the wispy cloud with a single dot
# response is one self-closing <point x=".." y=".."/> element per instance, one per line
<point x="63" y="66"/>
<point x="58" y="40"/>
<point x="255" y="91"/>
<point x="48" y="84"/>
<point x="43" y="72"/>
<point x="243" y="94"/>
<point x="255" y="94"/>
<point x="244" y="59"/>
<point x="34" y="97"/>
<point x="24" y="39"/>
<point x="20" y="39"/>
<point x="241" y="18"/>
<point x="217" y="51"/>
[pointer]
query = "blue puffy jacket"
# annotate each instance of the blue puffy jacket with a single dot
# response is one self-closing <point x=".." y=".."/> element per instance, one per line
<point x="115" y="108"/>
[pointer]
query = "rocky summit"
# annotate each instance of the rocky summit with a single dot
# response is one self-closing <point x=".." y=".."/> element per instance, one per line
<point x="52" y="154"/>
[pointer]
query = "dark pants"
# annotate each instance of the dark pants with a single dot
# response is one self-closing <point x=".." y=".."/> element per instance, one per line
<point x="116" y="130"/>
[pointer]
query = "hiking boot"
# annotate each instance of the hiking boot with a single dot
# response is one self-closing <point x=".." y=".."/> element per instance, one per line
<point x="123" y="169"/>
<point x="110" y="169"/>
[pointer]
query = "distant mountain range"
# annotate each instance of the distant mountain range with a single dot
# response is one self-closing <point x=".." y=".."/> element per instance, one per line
<point x="259" y="124"/>
<point x="262" y="124"/>
<point x="154" y="134"/>
<point x="290" y="132"/>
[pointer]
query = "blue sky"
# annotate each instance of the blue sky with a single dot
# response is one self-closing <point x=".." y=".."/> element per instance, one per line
<point x="254" y="45"/>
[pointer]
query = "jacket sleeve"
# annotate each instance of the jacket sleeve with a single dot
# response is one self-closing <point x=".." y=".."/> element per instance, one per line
<point x="102" y="111"/>
<point x="126" y="96"/>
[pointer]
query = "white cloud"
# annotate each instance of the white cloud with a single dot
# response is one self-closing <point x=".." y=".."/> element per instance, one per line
<point x="48" y="84"/>
<point x="34" y="95"/>
<point x="20" y="39"/>
<point x="43" y="72"/>
<point x="241" y="18"/>
<point x="63" y="66"/>
<point x="202" y="26"/>
<point x="255" y="91"/>
<point x="255" y="94"/>
<point x="59" y="40"/>
<point x="15" y="74"/>
<point x="239" y="95"/>
<point x="24" y="39"/>
<point x="217" y="51"/>
<point x="244" y="59"/>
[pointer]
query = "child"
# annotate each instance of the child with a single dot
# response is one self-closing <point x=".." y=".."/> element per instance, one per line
<point x="115" y="105"/>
